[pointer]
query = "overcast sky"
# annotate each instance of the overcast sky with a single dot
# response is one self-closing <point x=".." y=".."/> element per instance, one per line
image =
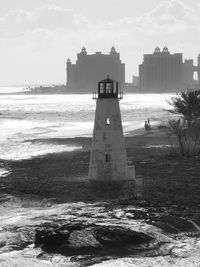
<point x="37" y="36"/>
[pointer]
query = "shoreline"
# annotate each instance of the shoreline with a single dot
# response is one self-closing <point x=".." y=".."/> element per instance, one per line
<point x="83" y="93"/>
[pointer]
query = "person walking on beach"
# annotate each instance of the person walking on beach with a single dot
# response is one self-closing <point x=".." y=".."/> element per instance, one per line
<point x="147" y="125"/>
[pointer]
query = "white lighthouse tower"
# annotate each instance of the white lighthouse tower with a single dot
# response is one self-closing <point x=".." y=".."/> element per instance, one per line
<point x="108" y="152"/>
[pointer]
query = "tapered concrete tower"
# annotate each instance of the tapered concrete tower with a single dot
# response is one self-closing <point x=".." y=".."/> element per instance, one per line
<point x="108" y="153"/>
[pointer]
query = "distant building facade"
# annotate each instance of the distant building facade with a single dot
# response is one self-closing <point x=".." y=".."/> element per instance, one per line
<point x="83" y="76"/>
<point x="135" y="80"/>
<point x="165" y="72"/>
<point x="188" y="73"/>
<point x="161" y="71"/>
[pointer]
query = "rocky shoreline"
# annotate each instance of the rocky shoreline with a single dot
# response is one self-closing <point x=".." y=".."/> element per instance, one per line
<point x="85" y="234"/>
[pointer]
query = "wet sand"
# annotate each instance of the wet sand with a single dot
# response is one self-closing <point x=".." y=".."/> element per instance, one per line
<point x="150" y="151"/>
<point x="74" y="165"/>
<point x="166" y="176"/>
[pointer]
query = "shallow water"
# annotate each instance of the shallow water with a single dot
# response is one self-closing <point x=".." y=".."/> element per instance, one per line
<point x="29" y="117"/>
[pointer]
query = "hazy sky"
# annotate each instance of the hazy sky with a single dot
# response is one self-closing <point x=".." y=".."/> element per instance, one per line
<point x="37" y="36"/>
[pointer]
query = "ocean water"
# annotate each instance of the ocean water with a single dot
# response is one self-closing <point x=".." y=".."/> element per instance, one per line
<point x="25" y="118"/>
<point x="12" y="89"/>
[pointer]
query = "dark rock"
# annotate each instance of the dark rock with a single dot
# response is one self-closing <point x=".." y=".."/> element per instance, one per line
<point x="174" y="224"/>
<point x="118" y="236"/>
<point x="88" y="260"/>
<point x="82" y="238"/>
<point x="62" y="232"/>
<point x="50" y="239"/>
<point x="96" y="241"/>
<point x="80" y="242"/>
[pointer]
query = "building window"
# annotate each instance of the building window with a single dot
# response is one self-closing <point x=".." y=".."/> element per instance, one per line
<point x="107" y="121"/>
<point x="107" y="157"/>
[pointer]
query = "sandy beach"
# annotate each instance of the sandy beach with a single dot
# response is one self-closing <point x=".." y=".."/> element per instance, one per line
<point x="73" y="166"/>
<point x="154" y="159"/>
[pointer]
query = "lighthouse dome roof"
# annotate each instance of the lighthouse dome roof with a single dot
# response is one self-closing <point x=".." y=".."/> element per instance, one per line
<point x="108" y="80"/>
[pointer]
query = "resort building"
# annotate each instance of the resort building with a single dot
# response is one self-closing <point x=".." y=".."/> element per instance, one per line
<point x="165" y="72"/>
<point x="161" y="71"/>
<point x="83" y="76"/>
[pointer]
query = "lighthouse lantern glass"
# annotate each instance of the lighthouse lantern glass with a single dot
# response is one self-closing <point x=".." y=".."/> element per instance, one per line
<point x="101" y="88"/>
<point x="108" y="88"/>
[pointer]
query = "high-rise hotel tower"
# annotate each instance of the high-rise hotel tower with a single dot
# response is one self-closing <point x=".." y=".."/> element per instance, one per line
<point x="83" y="76"/>
<point x="161" y="72"/>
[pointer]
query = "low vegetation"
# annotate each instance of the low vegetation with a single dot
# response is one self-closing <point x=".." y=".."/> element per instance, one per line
<point x="186" y="128"/>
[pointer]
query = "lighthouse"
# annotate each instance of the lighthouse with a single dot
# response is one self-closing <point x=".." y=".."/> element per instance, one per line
<point x="108" y="160"/>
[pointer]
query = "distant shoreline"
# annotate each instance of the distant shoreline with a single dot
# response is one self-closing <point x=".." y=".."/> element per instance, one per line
<point x="62" y="90"/>
<point x="81" y="93"/>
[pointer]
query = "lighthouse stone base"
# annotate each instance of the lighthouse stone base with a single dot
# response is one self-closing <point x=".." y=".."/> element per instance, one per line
<point x="114" y="189"/>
